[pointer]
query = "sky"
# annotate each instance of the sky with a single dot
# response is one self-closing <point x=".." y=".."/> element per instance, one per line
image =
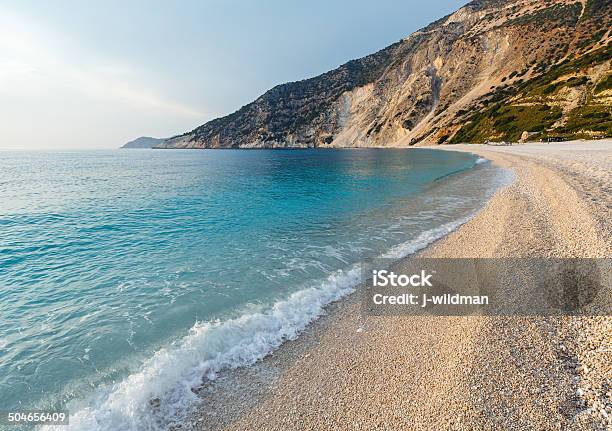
<point x="96" y="74"/>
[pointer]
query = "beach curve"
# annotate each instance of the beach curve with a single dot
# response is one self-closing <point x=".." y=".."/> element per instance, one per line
<point x="350" y="371"/>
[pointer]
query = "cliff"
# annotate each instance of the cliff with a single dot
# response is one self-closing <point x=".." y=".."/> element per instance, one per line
<point x="492" y="70"/>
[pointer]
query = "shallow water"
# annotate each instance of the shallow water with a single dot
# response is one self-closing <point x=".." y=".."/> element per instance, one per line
<point x="128" y="275"/>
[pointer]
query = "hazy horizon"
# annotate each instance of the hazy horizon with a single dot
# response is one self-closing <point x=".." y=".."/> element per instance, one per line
<point x="84" y="76"/>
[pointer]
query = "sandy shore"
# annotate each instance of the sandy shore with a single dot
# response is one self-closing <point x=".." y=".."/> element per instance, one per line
<point x="356" y="372"/>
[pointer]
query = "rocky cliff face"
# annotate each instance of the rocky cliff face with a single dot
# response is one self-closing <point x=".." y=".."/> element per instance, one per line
<point x="490" y="71"/>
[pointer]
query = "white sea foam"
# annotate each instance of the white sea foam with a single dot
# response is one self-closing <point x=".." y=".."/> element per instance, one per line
<point x="424" y="239"/>
<point x="160" y="394"/>
<point x="480" y="160"/>
<point x="169" y="376"/>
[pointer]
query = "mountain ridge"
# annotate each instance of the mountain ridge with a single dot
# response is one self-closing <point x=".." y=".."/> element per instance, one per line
<point x="492" y="70"/>
<point x="143" y="142"/>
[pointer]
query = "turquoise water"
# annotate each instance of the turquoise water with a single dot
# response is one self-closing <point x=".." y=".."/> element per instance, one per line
<point x="132" y="275"/>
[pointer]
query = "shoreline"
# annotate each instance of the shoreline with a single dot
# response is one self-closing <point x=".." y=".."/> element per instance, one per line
<point x="268" y="334"/>
<point x="374" y="147"/>
<point x="306" y="384"/>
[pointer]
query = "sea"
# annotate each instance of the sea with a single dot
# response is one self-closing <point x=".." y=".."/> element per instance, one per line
<point x="130" y="277"/>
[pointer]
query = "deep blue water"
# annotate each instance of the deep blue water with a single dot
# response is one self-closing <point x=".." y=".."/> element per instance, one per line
<point x="109" y="259"/>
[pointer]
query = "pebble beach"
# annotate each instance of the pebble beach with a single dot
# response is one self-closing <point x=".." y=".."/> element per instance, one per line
<point x="350" y="371"/>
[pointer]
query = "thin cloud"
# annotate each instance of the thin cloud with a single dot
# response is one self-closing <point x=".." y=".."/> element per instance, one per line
<point x="40" y="66"/>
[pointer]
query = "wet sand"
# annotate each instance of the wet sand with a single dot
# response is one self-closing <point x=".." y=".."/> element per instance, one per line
<point x="349" y="371"/>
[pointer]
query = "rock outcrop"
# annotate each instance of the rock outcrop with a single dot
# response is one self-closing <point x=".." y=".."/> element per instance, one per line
<point x="490" y="71"/>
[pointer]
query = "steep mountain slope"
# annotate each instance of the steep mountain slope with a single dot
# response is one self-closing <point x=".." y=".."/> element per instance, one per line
<point x="492" y="70"/>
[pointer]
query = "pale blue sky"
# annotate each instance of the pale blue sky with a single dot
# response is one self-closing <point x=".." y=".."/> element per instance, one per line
<point x="85" y="74"/>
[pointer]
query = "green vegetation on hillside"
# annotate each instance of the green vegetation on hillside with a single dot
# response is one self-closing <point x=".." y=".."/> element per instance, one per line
<point x="507" y="123"/>
<point x="604" y="85"/>
<point x="552" y="17"/>
<point x="534" y="106"/>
